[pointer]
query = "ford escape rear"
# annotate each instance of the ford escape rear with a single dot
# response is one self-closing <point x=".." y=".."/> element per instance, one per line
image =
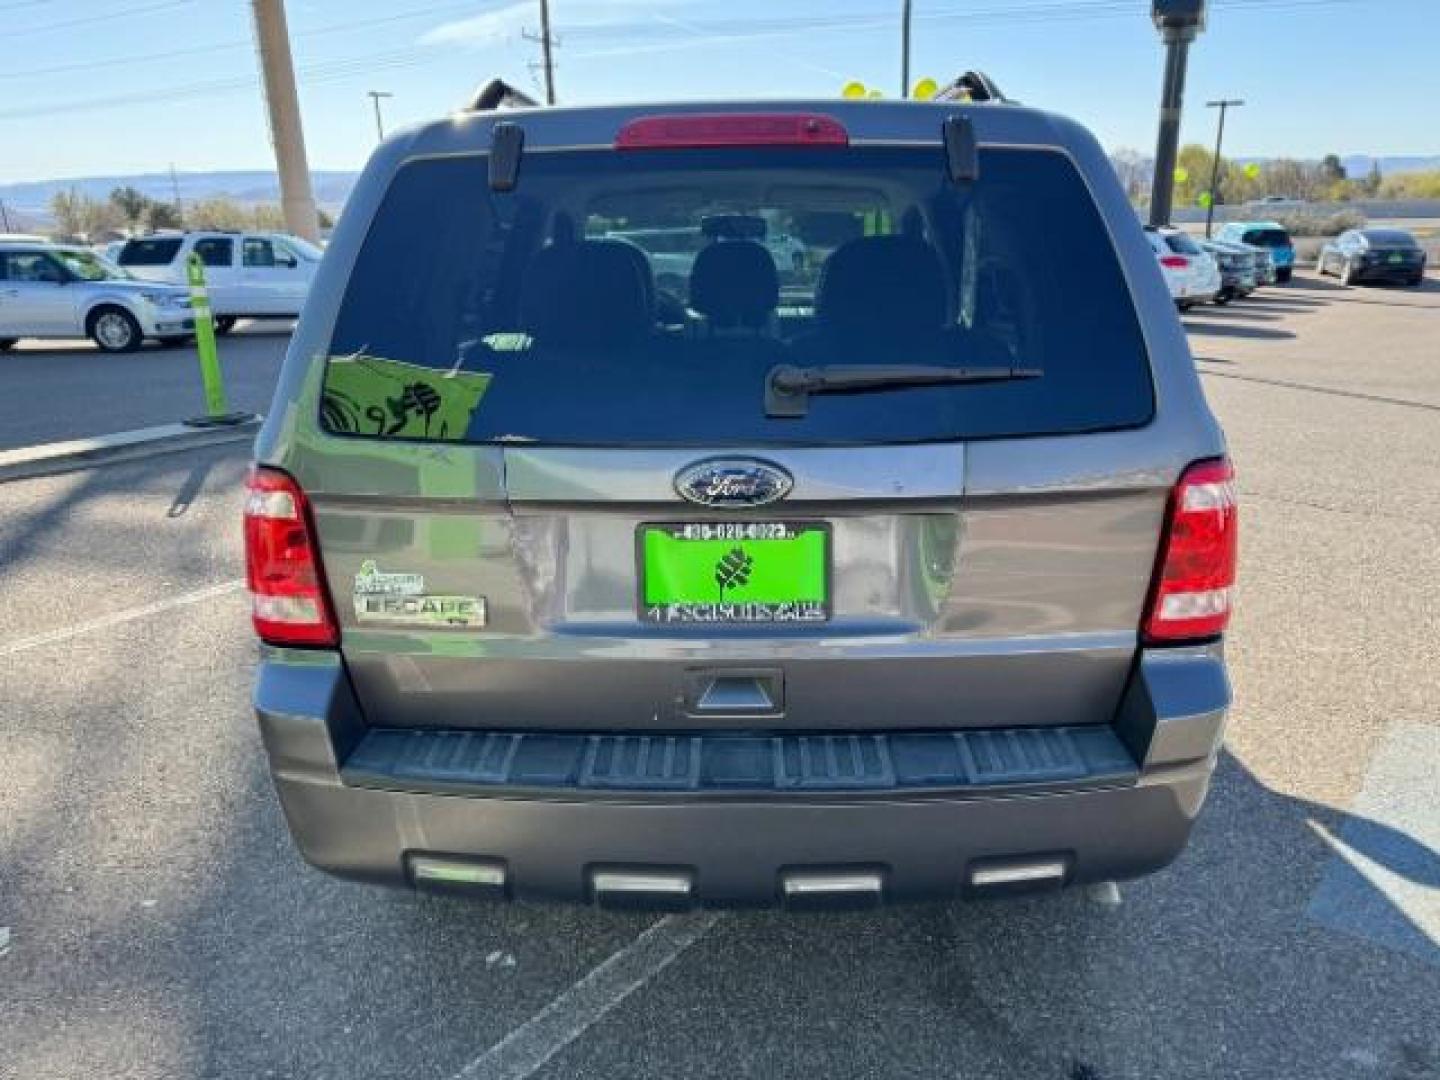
<point x="896" y="571"/>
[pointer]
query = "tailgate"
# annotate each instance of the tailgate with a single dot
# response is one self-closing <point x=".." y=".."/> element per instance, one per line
<point x="1007" y="604"/>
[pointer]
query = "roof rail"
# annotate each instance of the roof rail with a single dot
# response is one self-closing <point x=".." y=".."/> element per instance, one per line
<point x="971" y="86"/>
<point x="498" y="94"/>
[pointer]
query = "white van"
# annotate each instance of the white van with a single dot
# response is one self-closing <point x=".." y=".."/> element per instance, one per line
<point x="250" y="274"/>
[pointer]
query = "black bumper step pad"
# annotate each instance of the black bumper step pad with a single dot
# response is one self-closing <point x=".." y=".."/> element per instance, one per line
<point x="716" y="762"/>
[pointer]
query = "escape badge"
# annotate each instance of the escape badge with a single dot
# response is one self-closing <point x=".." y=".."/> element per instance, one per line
<point x="401" y="600"/>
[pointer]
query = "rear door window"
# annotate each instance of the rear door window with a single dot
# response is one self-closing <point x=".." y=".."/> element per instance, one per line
<point x="149" y="252"/>
<point x="643" y="298"/>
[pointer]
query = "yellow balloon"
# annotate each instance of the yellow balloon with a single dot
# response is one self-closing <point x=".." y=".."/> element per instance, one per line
<point x="1204" y="200"/>
<point x="925" y="89"/>
<point x="1181" y="175"/>
<point x="853" y="90"/>
<point x="1252" y="170"/>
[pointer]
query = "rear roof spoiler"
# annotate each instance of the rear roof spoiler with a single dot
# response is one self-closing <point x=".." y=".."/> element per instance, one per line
<point x="498" y="94"/>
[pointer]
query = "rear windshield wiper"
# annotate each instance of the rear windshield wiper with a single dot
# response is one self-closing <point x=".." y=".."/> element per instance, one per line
<point x="788" y="388"/>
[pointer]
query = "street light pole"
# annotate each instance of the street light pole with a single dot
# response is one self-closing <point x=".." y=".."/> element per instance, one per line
<point x="905" y="50"/>
<point x="375" y="96"/>
<point x="1179" y="23"/>
<point x="545" y="50"/>
<point x="1223" y="104"/>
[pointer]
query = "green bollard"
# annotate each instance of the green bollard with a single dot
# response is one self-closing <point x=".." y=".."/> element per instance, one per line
<point x="216" y="408"/>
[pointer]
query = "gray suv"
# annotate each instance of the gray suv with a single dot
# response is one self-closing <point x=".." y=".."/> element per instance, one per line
<point x="902" y="576"/>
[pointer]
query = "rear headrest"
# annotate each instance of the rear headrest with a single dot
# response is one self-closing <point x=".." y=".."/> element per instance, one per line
<point x="882" y="284"/>
<point x="596" y="292"/>
<point x="734" y="283"/>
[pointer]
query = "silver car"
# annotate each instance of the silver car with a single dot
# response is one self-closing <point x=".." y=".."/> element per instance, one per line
<point x="906" y="580"/>
<point x="59" y="291"/>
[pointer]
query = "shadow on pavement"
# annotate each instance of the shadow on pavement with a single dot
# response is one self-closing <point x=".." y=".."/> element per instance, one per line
<point x="1217" y="329"/>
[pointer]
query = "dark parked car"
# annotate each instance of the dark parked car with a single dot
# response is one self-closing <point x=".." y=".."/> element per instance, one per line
<point x="904" y="578"/>
<point x="1360" y="255"/>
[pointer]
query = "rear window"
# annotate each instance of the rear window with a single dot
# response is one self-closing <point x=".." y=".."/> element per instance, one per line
<point x="149" y="252"/>
<point x="642" y="298"/>
<point x="1390" y="238"/>
<point x="1183" y="245"/>
<point x="1268" y="238"/>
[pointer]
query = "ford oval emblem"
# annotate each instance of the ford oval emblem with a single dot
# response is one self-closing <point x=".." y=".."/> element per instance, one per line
<point x="733" y="482"/>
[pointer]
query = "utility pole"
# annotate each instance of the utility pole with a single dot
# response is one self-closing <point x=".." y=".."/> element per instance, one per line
<point x="545" y="50"/>
<point x="4" y="216"/>
<point x="175" y="191"/>
<point x="272" y="38"/>
<point x="375" y="96"/>
<point x="1223" y="104"/>
<point x="1179" y="23"/>
<point x="904" y="49"/>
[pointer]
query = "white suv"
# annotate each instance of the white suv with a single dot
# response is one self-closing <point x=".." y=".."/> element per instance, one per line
<point x="1190" y="271"/>
<point x="58" y="291"/>
<point x="249" y="274"/>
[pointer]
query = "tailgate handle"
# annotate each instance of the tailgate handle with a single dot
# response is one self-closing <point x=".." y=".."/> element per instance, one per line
<point x="746" y="692"/>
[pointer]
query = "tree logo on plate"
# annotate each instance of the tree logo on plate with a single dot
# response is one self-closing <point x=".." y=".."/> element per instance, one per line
<point x="733" y="482"/>
<point x="733" y="570"/>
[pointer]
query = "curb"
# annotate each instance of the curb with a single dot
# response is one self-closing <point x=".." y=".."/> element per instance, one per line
<point x="48" y="459"/>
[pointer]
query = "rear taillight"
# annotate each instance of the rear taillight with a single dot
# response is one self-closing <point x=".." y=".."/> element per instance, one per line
<point x="1190" y="598"/>
<point x="1175" y="262"/>
<point x="710" y="130"/>
<point x="282" y="564"/>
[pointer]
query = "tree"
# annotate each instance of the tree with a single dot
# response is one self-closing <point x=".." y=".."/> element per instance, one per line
<point x="1194" y="163"/>
<point x="80" y="217"/>
<point x="1371" y="184"/>
<point x="1331" y="168"/>
<point x="1412" y="185"/>
<point x="132" y="205"/>
<point x="162" y="215"/>
<point x="1135" y="172"/>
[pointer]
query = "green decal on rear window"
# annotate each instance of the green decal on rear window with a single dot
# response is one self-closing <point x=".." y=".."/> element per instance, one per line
<point x="367" y="395"/>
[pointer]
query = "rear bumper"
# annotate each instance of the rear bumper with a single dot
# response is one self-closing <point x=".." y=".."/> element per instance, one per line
<point x="744" y="850"/>
<point x="1389" y="275"/>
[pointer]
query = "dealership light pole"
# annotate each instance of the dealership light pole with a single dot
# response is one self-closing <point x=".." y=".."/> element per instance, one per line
<point x="272" y="38"/>
<point x="905" y="50"/>
<point x="545" y="44"/>
<point x="1223" y="104"/>
<point x="375" y="96"/>
<point x="1179" y="23"/>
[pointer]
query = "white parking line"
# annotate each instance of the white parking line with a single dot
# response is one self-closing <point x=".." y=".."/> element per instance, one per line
<point x="50" y="637"/>
<point x="570" y="1015"/>
<point x="1383" y="883"/>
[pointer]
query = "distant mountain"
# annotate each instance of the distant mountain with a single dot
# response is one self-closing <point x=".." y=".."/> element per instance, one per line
<point x="1357" y="165"/>
<point x="31" y="200"/>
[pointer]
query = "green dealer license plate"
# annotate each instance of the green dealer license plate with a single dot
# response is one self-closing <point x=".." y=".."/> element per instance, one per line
<point x="735" y="572"/>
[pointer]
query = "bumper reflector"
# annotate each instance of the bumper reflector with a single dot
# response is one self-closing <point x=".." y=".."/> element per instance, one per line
<point x="473" y="877"/>
<point x="1017" y="873"/>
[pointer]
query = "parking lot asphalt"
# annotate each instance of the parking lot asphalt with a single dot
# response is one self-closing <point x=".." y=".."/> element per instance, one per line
<point x="161" y="925"/>
<point x="58" y="390"/>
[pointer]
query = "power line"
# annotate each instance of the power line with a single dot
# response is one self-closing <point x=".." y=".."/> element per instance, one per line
<point x="341" y="69"/>
<point x="109" y="16"/>
<point x="237" y="43"/>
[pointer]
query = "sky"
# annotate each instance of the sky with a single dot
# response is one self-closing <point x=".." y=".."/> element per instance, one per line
<point x="113" y="87"/>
